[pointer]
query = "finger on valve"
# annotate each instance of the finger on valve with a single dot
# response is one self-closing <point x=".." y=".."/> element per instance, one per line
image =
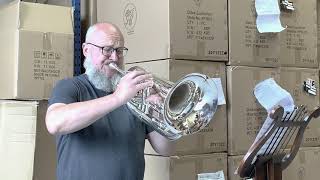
<point x="155" y="99"/>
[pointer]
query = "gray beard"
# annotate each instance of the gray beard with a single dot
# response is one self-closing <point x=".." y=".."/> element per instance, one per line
<point x="99" y="79"/>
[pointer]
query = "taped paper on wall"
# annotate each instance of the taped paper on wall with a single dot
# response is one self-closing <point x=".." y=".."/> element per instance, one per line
<point x="268" y="16"/>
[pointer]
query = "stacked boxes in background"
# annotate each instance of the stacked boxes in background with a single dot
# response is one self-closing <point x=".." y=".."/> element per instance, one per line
<point x="165" y="29"/>
<point x="246" y="115"/>
<point x="37" y="51"/>
<point x="290" y="57"/>
<point x="171" y="39"/>
<point x="27" y="151"/>
<point x="318" y="32"/>
<point x="184" y="167"/>
<point x="295" y="46"/>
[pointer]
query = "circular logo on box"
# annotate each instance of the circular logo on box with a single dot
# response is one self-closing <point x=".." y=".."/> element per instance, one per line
<point x="130" y="17"/>
<point x="301" y="173"/>
<point x="198" y="2"/>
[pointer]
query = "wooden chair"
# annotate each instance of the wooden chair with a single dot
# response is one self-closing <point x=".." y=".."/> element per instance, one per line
<point x="275" y="150"/>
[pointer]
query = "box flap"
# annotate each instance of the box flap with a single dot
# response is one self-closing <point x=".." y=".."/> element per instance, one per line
<point x="8" y="51"/>
<point x="17" y="139"/>
<point x="45" y="18"/>
<point x="9" y="16"/>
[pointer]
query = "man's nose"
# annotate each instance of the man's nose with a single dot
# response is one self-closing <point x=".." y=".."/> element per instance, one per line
<point x="114" y="56"/>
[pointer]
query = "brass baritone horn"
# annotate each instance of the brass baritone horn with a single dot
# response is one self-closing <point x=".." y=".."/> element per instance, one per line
<point x="188" y="105"/>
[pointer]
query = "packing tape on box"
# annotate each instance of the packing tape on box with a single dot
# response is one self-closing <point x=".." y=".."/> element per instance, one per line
<point x="302" y="157"/>
<point x="256" y="75"/>
<point x="297" y="55"/>
<point x="47" y="40"/>
<point x="199" y="164"/>
<point x="255" y="50"/>
<point x="48" y="86"/>
<point x="299" y="81"/>
<point x="234" y="148"/>
<point x="201" y="137"/>
<point x="201" y="48"/>
<point x="299" y="87"/>
<point x="217" y="71"/>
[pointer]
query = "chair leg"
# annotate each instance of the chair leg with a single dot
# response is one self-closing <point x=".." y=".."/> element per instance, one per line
<point x="268" y="171"/>
<point x="261" y="173"/>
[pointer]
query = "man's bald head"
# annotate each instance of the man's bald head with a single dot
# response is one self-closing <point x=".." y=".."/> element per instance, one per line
<point x="105" y="28"/>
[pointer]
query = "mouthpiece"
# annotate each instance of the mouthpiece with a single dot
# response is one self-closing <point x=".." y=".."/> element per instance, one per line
<point x="115" y="67"/>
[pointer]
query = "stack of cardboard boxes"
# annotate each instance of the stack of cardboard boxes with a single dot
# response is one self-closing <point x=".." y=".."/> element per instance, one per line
<point x="290" y="57"/>
<point x="36" y="51"/>
<point x="172" y="38"/>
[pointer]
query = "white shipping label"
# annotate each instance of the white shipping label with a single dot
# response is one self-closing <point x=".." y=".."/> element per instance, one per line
<point x="310" y="86"/>
<point x="211" y="176"/>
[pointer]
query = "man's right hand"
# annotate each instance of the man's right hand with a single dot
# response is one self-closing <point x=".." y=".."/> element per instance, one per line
<point x="131" y="84"/>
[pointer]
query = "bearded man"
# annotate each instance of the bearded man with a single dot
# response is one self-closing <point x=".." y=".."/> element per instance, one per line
<point x="97" y="136"/>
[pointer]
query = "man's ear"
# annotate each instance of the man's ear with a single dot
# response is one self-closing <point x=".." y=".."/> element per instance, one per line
<point x="85" y="49"/>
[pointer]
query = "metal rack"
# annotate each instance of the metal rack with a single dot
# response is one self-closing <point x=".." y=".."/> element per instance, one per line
<point x="77" y="36"/>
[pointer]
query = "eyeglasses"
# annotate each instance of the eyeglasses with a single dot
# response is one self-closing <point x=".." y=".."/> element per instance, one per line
<point x="108" y="50"/>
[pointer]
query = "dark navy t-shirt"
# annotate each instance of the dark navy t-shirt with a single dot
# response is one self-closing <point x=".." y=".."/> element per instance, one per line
<point x="112" y="148"/>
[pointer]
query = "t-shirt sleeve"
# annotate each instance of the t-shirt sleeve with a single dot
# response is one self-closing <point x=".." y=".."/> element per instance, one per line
<point x="65" y="92"/>
<point x="149" y="129"/>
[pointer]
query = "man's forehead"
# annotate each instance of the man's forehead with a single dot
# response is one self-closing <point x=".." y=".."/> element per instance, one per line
<point x="106" y="27"/>
<point x="106" y="38"/>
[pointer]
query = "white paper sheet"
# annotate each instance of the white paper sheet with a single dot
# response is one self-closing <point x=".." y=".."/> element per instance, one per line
<point x="268" y="16"/>
<point x="221" y="97"/>
<point x="270" y="94"/>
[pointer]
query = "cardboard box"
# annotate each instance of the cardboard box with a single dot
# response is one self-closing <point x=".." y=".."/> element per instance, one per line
<point x="184" y="167"/>
<point x="292" y="80"/>
<point x="318" y="26"/>
<point x="213" y="138"/>
<point x="299" y="41"/>
<point x="303" y="167"/>
<point x="37" y="49"/>
<point x="179" y="29"/>
<point x="27" y="150"/>
<point x="295" y="46"/>
<point x="246" y="115"/>
<point x="67" y="3"/>
<point x="246" y="45"/>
